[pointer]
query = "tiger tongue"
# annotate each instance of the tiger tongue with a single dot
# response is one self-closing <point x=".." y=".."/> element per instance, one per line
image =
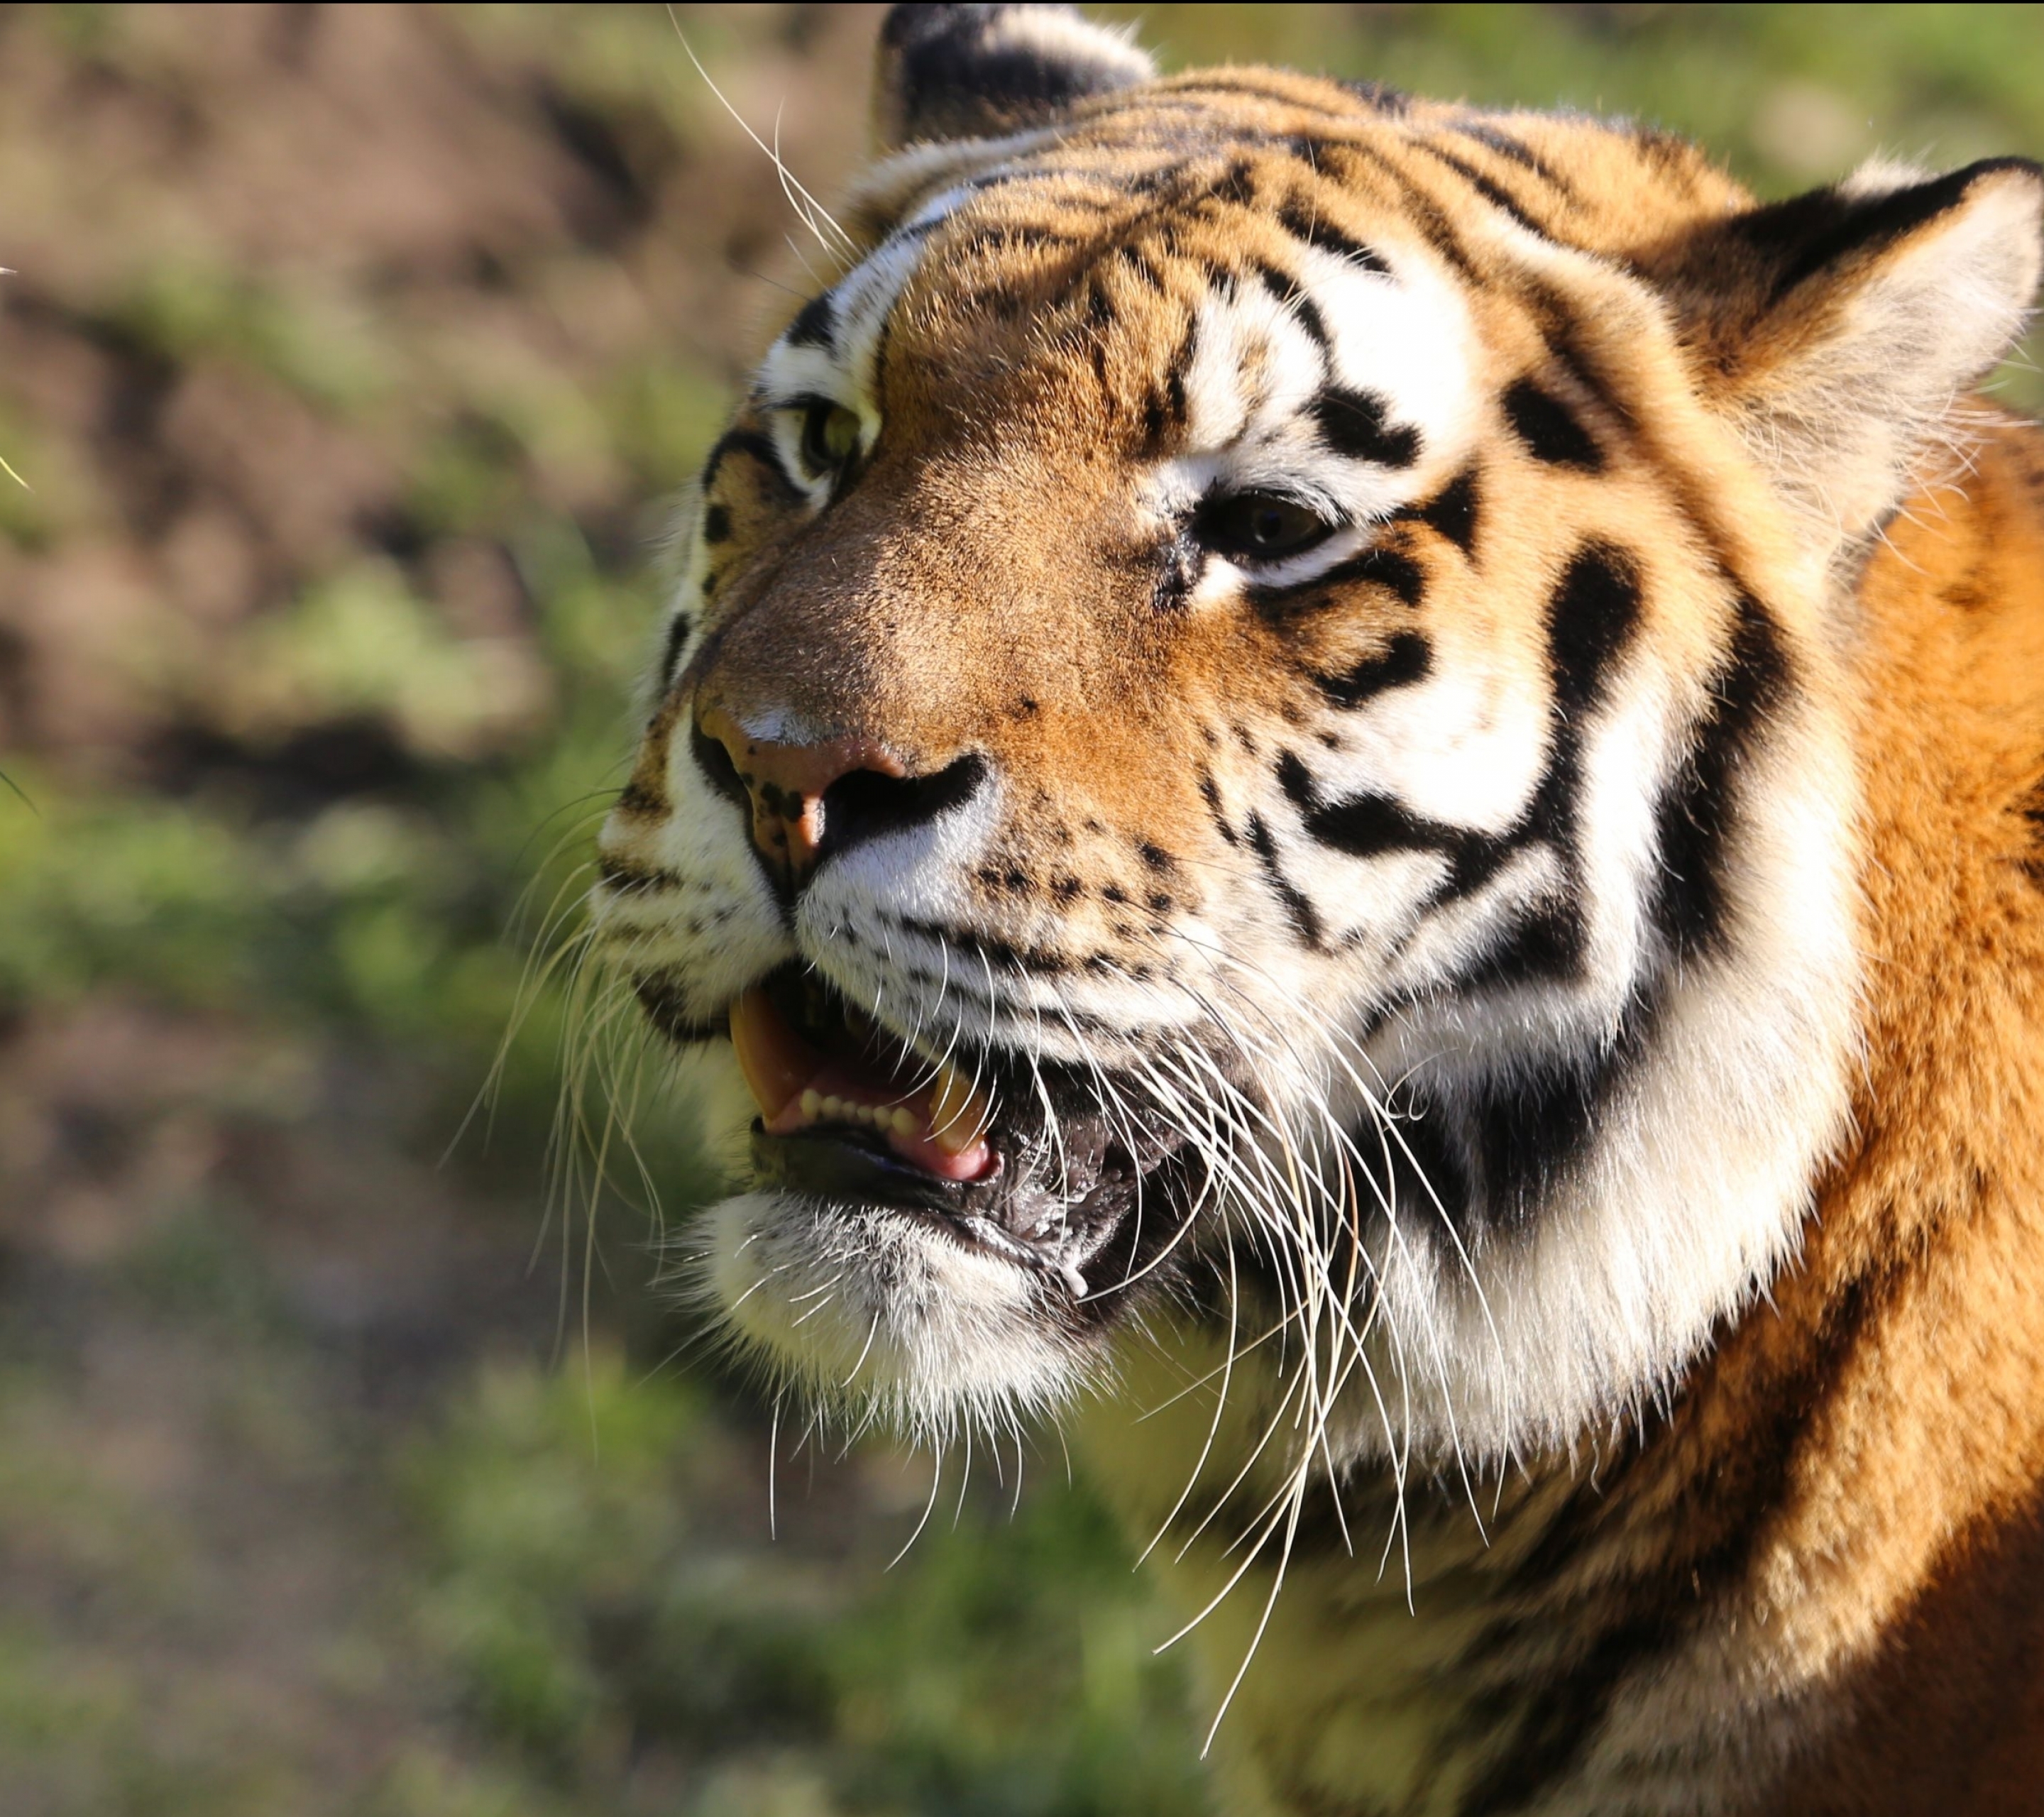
<point x="939" y="1128"/>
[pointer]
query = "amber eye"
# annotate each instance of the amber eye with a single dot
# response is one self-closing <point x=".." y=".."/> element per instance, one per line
<point x="1261" y="526"/>
<point x="830" y="436"/>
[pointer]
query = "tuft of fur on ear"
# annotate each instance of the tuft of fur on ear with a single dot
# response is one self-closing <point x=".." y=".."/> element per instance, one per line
<point x="1864" y="313"/>
<point x="968" y="72"/>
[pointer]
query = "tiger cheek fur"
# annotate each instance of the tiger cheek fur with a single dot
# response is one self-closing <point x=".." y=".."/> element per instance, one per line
<point x="1349" y="791"/>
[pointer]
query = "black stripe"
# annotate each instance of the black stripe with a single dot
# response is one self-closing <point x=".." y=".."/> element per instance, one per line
<point x="1300" y="307"/>
<point x="1372" y="566"/>
<point x="1533" y="1131"/>
<point x="1353" y="425"/>
<point x="761" y="449"/>
<point x="1493" y="193"/>
<point x="627" y="878"/>
<point x="1591" y="618"/>
<point x="2031" y="808"/>
<point x="634" y="798"/>
<point x="1301" y="218"/>
<point x="1549" y="943"/>
<point x="1496" y="139"/>
<point x="1364" y="826"/>
<point x="717" y="525"/>
<point x="1099" y="308"/>
<point x="1549" y="428"/>
<point x="1238" y="185"/>
<point x="1138" y="261"/>
<point x="1381" y="96"/>
<point x="1210" y="792"/>
<point x="816" y="324"/>
<point x="1406" y="659"/>
<point x="1452" y="512"/>
<point x="1427" y="215"/>
<point x="1696" y="814"/>
<point x="1303" y="916"/>
<point x="1644" y="1617"/>
<point x="679" y="629"/>
<point x="1165" y="410"/>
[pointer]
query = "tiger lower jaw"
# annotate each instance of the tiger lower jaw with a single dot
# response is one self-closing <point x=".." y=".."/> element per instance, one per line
<point x="863" y="1308"/>
<point x="907" y="1250"/>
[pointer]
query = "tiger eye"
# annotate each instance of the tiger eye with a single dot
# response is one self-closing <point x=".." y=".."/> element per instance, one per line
<point x="1262" y="526"/>
<point x="830" y="437"/>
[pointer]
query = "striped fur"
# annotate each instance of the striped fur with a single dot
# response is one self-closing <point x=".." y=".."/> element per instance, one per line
<point x="1559" y="934"/>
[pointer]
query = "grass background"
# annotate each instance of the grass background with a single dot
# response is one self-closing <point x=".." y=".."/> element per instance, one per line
<point x="348" y="354"/>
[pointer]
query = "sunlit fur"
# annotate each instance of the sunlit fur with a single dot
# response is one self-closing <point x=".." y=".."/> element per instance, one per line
<point x="1584" y="917"/>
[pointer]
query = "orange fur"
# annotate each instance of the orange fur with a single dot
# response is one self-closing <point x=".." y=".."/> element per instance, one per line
<point x="1787" y="1556"/>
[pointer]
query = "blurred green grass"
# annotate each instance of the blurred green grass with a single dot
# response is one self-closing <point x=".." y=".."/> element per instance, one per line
<point x="317" y="632"/>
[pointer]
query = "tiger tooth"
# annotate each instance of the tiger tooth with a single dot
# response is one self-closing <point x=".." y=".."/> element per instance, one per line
<point x="958" y="1115"/>
<point x="813" y="1104"/>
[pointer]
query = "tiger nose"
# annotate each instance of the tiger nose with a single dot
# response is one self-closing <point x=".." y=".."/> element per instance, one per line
<point x="794" y="790"/>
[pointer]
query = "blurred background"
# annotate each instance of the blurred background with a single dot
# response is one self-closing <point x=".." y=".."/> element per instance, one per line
<point x="348" y="356"/>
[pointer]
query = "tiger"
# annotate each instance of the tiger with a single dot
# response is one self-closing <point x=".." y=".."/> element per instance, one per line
<point x="1347" y="793"/>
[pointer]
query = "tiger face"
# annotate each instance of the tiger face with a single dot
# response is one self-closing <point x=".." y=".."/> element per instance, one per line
<point x="1252" y="736"/>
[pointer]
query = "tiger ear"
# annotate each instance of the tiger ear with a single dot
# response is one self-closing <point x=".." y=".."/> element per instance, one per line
<point x="1869" y="310"/>
<point x="968" y="72"/>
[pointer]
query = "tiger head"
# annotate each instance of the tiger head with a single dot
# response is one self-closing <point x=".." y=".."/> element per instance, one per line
<point x="1251" y="728"/>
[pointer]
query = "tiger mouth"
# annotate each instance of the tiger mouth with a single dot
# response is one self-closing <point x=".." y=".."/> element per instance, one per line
<point x="1017" y="1163"/>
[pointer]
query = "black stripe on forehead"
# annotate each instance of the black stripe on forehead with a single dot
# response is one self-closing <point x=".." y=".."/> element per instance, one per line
<point x="1356" y="425"/>
<point x="1300" y="218"/>
<point x="1284" y="289"/>
<point x="1492" y="192"/>
<point x="1516" y="151"/>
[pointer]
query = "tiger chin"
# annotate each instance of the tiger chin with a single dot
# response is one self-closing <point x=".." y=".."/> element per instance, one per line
<point x="1350" y="792"/>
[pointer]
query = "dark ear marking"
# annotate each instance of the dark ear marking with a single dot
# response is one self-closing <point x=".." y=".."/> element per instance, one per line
<point x="1549" y="428"/>
<point x="1807" y="233"/>
<point x="966" y="72"/>
<point x="717" y="525"/>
